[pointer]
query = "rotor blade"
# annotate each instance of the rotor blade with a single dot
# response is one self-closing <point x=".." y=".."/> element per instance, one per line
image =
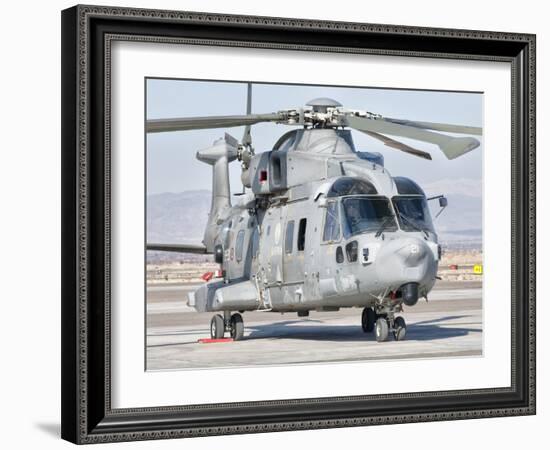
<point x="449" y="128"/>
<point x="247" y="137"/>
<point x="178" y="248"/>
<point x="452" y="147"/>
<point x="398" y="145"/>
<point x="198" y="123"/>
<point x="232" y="141"/>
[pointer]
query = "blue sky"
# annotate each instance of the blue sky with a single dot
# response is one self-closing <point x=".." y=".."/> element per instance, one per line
<point x="171" y="163"/>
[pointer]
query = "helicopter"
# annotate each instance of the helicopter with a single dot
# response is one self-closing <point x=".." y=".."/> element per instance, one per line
<point x="319" y="225"/>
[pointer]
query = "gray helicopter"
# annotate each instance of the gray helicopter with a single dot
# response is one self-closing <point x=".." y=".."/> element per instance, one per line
<point x="320" y="225"/>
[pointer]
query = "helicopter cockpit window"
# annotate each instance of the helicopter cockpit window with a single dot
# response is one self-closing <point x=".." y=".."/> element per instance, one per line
<point x="406" y="186"/>
<point x="367" y="214"/>
<point x="413" y="213"/>
<point x="332" y="223"/>
<point x="351" y="186"/>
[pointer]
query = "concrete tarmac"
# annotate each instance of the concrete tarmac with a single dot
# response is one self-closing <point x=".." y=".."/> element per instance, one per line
<point x="448" y="325"/>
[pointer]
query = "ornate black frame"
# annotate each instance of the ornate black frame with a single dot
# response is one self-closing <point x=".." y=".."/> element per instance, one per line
<point x="87" y="32"/>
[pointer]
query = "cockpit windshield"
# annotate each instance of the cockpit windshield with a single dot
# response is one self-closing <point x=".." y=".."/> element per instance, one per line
<point x="413" y="213"/>
<point x="367" y="214"/>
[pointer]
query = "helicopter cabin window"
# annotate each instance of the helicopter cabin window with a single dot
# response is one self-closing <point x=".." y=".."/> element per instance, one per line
<point x="289" y="236"/>
<point x="239" y="246"/>
<point x="339" y="255"/>
<point x="332" y="223"/>
<point x="351" y="251"/>
<point x="302" y="235"/>
<point x="255" y="242"/>
<point x="226" y="234"/>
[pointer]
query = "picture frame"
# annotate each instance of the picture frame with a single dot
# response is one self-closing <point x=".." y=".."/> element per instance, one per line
<point x="87" y="413"/>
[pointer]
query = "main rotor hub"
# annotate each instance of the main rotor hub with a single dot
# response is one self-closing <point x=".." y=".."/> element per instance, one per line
<point x="322" y="104"/>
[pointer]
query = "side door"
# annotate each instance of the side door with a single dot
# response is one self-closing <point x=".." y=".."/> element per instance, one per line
<point x="234" y="252"/>
<point x="272" y="245"/>
<point x="331" y="255"/>
<point x="312" y="254"/>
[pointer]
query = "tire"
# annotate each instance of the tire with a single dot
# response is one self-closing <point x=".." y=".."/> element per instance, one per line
<point x="381" y="330"/>
<point x="217" y="327"/>
<point x="368" y="319"/>
<point x="237" y="327"/>
<point x="400" y="328"/>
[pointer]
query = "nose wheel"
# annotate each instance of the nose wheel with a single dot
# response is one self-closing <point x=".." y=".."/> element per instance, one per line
<point x="399" y="328"/>
<point x="383" y="326"/>
<point x="368" y="320"/>
<point x="234" y="324"/>
<point x="381" y="329"/>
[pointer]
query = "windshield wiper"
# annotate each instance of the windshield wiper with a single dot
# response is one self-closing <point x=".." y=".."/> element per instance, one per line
<point x="414" y="224"/>
<point x="383" y="225"/>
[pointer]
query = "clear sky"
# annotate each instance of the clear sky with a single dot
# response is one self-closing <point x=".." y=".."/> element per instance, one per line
<point x="171" y="163"/>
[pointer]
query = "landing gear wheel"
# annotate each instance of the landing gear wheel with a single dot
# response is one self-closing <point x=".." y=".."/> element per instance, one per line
<point x="368" y="319"/>
<point x="237" y="327"/>
<point x="400" y="328"/>
<point x="217" y="327"/>
<point x="381" y="329"/>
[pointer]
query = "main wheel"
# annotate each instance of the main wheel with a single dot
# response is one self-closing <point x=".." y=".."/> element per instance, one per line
<point x="368" y="319"/>
<point x="217" y="327"/>
<point x="400" y="328"/>
<point x="237" y="327"/>
<point x="381" y="329"/>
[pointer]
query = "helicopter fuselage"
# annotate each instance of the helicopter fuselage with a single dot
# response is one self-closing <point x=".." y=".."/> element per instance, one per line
<point x="353" y="237"/>
<point x="322" y="226"/>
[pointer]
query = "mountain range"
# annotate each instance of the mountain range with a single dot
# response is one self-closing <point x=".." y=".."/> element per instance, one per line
<point x="178" y="218"/>
<point x="461" y="223"/>
<point x="181" y="217"/>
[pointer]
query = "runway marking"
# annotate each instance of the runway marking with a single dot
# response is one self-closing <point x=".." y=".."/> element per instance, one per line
<point x="214" y="341"/>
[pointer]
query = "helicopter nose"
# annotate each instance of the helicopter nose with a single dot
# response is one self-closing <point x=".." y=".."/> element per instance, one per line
<point x="405" y="260"/>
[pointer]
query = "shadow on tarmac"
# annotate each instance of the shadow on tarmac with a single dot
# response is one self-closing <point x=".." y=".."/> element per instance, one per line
<point x="428" y="330"/>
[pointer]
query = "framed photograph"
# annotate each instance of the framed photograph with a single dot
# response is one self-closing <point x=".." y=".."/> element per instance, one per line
<point x="282" y="224"/>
